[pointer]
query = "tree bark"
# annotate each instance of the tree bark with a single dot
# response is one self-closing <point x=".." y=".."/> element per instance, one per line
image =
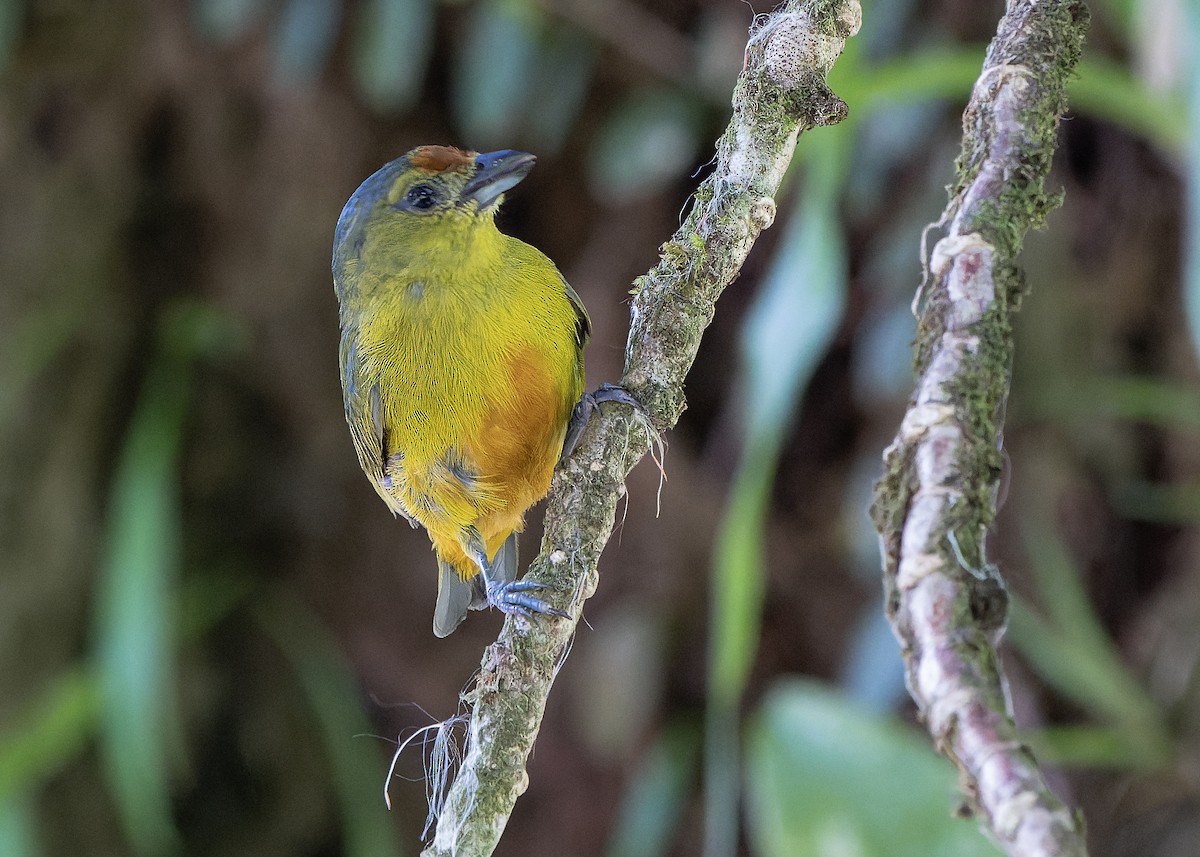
<point x="937" y="498"/>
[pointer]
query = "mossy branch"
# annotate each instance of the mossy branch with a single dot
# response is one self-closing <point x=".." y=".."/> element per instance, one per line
<point x="780" y="92"/>
<point x="937" y="498"/>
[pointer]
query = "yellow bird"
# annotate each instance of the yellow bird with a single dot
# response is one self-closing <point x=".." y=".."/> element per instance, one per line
<point x="461" y="363"/>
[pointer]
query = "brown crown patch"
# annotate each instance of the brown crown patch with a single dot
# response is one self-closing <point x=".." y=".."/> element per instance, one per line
<point x="439" y="158"/>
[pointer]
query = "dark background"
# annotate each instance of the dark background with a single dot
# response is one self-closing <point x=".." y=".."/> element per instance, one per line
<point x="212" y="630"/>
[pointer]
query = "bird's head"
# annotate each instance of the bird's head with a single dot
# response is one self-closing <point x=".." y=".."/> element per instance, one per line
<point x="432" y="200"/>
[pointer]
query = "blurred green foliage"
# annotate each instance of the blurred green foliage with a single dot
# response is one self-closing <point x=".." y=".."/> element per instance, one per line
<point x="788" y="329"/>
<point x="504" y="73"/>
<point x="821" y="778"/>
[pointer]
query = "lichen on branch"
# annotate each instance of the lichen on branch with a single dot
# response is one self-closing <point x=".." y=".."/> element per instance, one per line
<point x="780" y="92"/>
<point x="937" y="497"/>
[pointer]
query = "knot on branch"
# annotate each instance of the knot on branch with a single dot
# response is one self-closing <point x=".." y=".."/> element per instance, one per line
<point x="762" y="212"/>
<point x="797" y="51"/>
<point x="797" y="44"/>
<point x="991" y="79"/>
<point x="966" y="262"/>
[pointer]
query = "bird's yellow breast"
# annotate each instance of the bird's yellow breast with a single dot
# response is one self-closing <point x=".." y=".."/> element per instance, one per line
<point x="478" y="368"/>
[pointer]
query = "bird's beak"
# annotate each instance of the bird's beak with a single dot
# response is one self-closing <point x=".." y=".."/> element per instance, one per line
<point x="496" y="172"/>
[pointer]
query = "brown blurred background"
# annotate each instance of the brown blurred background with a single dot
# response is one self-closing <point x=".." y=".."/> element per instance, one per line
<point x="212" y="631"/>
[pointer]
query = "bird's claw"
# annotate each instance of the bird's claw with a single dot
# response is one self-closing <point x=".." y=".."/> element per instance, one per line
<point x="588" y="403"/>
<point x="616" y="393"/>
<point x="513" y="598"/>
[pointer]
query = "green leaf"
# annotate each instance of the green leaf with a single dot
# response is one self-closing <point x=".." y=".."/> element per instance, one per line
<point x="394" y="40"/>
<point x="304" y="38"/>
<point x="12" y="20"/>
<point x="1156" y="401"/>
<point x="801" y="300"/>
<point x="1162" y="504"/>
<point x="1085" y="746"/>
<point x="944" y="72"/>
<point x="494" y="71"/>
<point x="227" y="20"/>
<point x="656" y="797"/>
<point x="59" y="723"/>
<point x="135" y="602"/>
<point x="786" y="332"/>
<point x="18" y="834"/>
<point x="648" y="141"/>
<point x="136" y="597"/>
<point x="1070" y="649"/>
<point x="1106" y="90"/>
<point x="51" y="732"/>
<point x="357" y="770"/>
<point x="824" y="777"/>
<point x="1191" y="227"/>
<point x="565" y="72"/>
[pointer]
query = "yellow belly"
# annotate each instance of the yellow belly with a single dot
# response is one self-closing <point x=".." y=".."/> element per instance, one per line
<point x="474" y="417"/>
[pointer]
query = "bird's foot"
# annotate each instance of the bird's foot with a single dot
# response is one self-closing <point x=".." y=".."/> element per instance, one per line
<point x="513" y="597"/>
<point x="586" y="406"/>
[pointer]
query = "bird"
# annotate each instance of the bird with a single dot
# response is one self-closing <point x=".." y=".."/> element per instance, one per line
<point x="462" y="365"/>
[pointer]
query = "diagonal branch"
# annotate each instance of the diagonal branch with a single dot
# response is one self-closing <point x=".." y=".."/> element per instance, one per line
<point x="938" y="494"/>
<point x="781" y="92"/>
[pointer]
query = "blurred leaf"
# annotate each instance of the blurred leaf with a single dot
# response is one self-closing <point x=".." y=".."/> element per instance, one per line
<point x="786" y="332"/>
<point x="358" y="773"/>
<point x="1191" y="271"/>
<point x="1084" y="746"/>
<point x="12" y="21"/>
<point x="495" y="69"/>
<point x="394" y="40"/>
<point x="739" y="574"/>
<point x="1070" y="649"/>
<point x="1122" y="13"/>
<point x="204" y="600"/>
<point x="885" y="27"/>
<point x="57" y="726"/>
<point x="51" y="732"/>
<point x="192" y="328"/>
<point x="1100" y="88"/>
<point x="801" y="300"/>
<point x="28" y="349"/>
<point x="883" y="354"/>
<point x="945" y="72"/>
<point x="623" y="660"/>
<point x="872" y="675"/>
<point x="1162" y="504"/>
<point x="18" y="836"/>
<point x="227" y="21"/>
<point x="1108" y="91"/>
<point x="823" y="777"/>
<point x="565" y="71"/>
<point x="304" y="38"/>
<point x="656" y="797"/>
<point x="649" y="140"/>
<point x="136" y="598"/>
<point x="1155" y="401"/>
<point x="1095" y="679"/>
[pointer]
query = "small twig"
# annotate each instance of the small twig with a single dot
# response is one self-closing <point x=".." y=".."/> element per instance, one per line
<point x="942" y="470"/>
<point x="780" y="92"/>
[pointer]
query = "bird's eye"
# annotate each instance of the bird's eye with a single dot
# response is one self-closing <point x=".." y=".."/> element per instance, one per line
<point x="420" y="197"/>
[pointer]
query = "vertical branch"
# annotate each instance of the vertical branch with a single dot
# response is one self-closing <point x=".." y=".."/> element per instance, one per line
<point x="937" y="497"/>
<point x="780" y="92"/>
